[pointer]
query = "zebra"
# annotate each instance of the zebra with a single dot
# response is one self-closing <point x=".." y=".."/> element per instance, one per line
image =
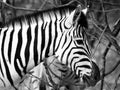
<point x="26" y="40"/>
<point x="71" y="75"/>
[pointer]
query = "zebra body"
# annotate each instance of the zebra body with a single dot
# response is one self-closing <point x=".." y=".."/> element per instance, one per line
<point x="27" y="40"/>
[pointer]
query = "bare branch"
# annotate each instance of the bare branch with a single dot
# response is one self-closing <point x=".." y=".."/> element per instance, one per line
<point x="99" y="41"/>
<point x="115" y="32"/>
<point x="116" y="82"/>
<point x="43" y="4"/>
<point x="103" y="72"/>
<point x="108" y="85"/>
<point x="14" y="11"/>
<point x="112" y="39"/>
<point x="115" y="66"/>
<point x="2" y="13"/>
<point x="104" y="59"/>
<point x="3" y="82"/>
<point x="40" y="79"/>
<point x="106" y="34"/>
<point x="106" y="3"/>
<point x="25" y="9"/>
<point x="26" y="86"/>
<point x="106" y="11"/>
<point x="18" y="8"/>
<point x="107" y="46"/>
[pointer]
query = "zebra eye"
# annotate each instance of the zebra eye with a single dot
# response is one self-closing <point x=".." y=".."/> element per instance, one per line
<point x="77" y="13"/>
<point x="79" y="42"/>
<point x="76" y="16"/>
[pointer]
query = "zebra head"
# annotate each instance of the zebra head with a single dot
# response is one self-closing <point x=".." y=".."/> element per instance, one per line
<point x="85" y="67"/>
<point x="92" y="79"/>
<point x="76" y="54"/>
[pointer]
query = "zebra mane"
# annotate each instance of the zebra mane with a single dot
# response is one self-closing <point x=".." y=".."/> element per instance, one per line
<point x="71" y="6"/>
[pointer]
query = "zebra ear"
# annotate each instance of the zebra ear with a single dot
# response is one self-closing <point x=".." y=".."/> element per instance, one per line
<point x="85" y="11"/>
<point x="73" y="16"/>
<point x="81" y="18"/>
<point x="69" y="20"/>
<point x="80" y="14"/>
<point x="77" y="14"/>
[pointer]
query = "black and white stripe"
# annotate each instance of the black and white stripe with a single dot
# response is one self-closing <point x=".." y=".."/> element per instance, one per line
<point x="27" y="40"/>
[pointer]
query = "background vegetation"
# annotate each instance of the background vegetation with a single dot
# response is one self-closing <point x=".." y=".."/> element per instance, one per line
<point x="103" y="33"/>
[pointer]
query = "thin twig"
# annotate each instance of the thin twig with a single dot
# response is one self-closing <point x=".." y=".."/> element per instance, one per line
<point x="106" y="3"/>
<point x="104" y="59"/>
<point x="14" y="11"/>
<point x="103" y="43"/>
<point x="106" y="11"/>
<point x="115" y="66"/>
<point x="94" y="20"/>
<point x="26" y="86"/>
<point x="3" y="13"/>
<point x="98" y="41"/>
<point x="2" y="82"/>
<point x="116" y="82"/>
<point x="18" y="8"/>
<point x="106" y="34"/>
<point x="25" y="9"/>
<point x="110" y="38"/>
<point x="103" y="72"/>
<point x="108" y="85"/>
<point x="43" y="5"/>
<point x="115" y="32"/>
<point x="40" y="79"/>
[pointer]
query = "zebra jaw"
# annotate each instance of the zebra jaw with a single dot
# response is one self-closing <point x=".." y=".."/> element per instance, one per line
<point x="89" y="81"/>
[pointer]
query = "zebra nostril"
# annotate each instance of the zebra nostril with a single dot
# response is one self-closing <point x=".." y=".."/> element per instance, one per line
<point x="96" y="78"/>
<point x="96" y="72"/>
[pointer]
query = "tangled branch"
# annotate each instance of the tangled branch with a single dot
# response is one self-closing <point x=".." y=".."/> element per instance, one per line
<point x="116" y="82"/>
<point x="17" y="8"/>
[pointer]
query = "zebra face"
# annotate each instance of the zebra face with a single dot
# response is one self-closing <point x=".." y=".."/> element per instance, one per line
<point x="92" y="79"/>
<point x="80" y="62"/>
<point x="85" y="68"/>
